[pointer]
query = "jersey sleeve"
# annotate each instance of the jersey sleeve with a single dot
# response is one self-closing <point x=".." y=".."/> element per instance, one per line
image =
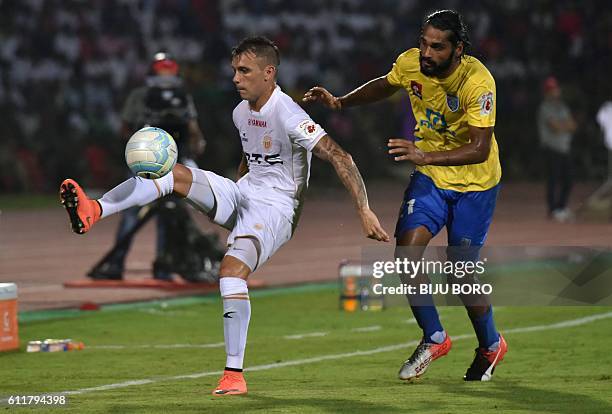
<point x="481" y="104"/>
<point x="394" y="77"/>
<point x="235" y="115"/>
<point x="303" y="131"/>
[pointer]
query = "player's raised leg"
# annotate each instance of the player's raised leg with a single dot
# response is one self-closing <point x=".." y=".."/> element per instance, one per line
<point x="236" y="266"/>
<point x="84" y="212"/>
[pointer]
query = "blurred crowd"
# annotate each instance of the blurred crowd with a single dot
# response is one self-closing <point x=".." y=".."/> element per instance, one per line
<point x="66" y="67"/>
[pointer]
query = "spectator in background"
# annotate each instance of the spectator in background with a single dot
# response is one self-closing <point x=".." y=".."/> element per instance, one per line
<point x="162" y="103"/>
<point x="556" y="126"/>
<point x="604" y="119"/>
<point x="602" y="197"/>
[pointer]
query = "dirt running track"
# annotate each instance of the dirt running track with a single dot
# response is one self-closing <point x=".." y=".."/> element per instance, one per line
<point x="39" y="252"/>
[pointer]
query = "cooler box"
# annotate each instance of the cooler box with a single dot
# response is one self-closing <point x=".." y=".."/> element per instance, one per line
<point x="9" y="337"/>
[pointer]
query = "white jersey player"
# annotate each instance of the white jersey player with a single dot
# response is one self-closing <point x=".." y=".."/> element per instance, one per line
<point x="262" y="208"/>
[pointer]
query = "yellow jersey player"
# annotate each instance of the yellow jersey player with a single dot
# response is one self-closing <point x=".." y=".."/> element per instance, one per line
<point x="457" y="174"/>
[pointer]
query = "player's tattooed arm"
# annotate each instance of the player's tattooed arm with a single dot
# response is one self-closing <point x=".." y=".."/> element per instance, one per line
<point x="474" y="152"/>
<point x="372" y="91"/>
<point x="243" y="168"/>
<point x="327" y="149"/>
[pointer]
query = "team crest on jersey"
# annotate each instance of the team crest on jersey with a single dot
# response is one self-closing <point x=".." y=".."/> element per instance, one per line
<point x="417" y="89"/>
<point x="267" y="142"/>
<point x="486" y="103"/>
<point x="309" y="128"/>
<point x="453" y="102"/>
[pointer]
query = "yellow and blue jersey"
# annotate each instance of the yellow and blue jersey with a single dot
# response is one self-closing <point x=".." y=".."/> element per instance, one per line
<point x="443" y="109"/>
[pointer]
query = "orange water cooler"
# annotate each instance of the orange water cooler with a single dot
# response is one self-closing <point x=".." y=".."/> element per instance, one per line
<point x="9" y="336"/>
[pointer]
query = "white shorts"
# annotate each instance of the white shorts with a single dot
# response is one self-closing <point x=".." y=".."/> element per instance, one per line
<point x="248" y="217"/>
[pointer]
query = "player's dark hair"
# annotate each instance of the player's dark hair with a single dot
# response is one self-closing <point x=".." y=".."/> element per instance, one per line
<point x="259" y="45"/>
<point x="450" y="20"/>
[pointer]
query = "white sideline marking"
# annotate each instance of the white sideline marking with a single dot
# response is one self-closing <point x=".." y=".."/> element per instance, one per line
<point x="153" y="311"/>
<point x="306" y="335"/>
<point x="563" y="324"/>
<point x="367" y="328"/>
<point x="158" y="346"/>
<point x="221" y="344"/>
<point x="558" y="325"/>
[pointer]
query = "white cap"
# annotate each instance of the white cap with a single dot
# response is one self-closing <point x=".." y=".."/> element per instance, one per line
<point x="8" y="291"/>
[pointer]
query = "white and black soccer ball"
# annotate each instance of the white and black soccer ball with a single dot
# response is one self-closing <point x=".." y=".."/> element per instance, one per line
<point x="151" y="153"/>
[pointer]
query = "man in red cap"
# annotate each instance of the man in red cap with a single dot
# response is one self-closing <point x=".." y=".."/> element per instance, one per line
<point x="163" y="102"/>
<point x="163" y="64"/>
<point x="556" y="127"/>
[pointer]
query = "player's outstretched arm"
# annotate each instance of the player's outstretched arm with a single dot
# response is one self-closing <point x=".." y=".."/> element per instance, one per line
<point x="474" y="152"/>
<point x="372" y="91"/>
<point x="327" y="149"/>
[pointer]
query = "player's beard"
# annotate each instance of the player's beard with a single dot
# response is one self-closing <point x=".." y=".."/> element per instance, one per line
<point x="436" y="69"/>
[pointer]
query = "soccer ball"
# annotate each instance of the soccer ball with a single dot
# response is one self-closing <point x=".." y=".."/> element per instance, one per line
<point x="151" y="153"/>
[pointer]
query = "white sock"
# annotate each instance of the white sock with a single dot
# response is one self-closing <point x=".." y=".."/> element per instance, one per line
<point x="135" y="192"/>
<point x="438" y="337"/>
<point x="236" y="316"/>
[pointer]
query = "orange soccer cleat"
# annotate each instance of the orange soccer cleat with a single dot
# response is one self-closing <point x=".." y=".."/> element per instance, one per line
<point x="231" y="383"/>
<point x="424" y="354"/>
<point x="82" y="211"/>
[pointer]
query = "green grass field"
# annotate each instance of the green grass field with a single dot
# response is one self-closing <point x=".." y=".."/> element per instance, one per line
<point x="552" y="369"/>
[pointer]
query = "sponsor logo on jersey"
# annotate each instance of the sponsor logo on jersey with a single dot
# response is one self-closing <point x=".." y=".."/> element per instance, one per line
<point x="257" y="123"/>
<point x="260" y="159"/>
<point x="435" y="121"/>
<point x="486" y="103"/>
<point x="267" y="142"/>
<point x="309" y="128"/>
<point x="417" y="89"/>
<point x="453" y="102"/>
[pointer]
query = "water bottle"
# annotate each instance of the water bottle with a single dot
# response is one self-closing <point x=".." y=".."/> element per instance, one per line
<point x="54" y="345"/>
